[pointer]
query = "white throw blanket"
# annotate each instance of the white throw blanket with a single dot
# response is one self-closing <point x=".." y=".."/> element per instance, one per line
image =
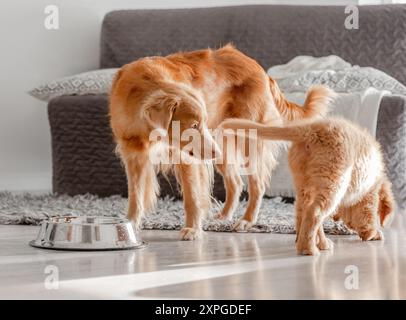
<point x="361" y="107"/>
<point x="360" y="91"/>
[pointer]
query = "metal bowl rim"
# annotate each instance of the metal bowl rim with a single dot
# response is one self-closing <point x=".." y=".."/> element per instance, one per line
<point x="115" y="221"/>
<point x="140" y="245"/>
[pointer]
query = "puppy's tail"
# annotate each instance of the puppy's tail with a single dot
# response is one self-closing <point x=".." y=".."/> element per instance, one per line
<point x="290" y="133"/>
<point x="386" y="203"/>
<point x="316" y="104"/>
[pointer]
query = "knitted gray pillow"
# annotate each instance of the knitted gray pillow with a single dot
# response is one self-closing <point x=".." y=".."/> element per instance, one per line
<point x="92" y="82"/>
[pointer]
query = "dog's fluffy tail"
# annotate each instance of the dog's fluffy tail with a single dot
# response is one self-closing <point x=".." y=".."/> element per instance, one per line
<point x="316" y="104"/>
<point x="289" y="133"/>
<point x="386" y="203"/>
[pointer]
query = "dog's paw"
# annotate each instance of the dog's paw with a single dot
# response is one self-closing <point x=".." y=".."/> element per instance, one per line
<point x="136" y="225"/>
<point x="189" y="234"/>
<point x="308" y="250"/>
<point x="221" y="216"/>
<point x="242" y="225"/>
<point x="371" y="235"/>
<point x="378" y="236"/>
<point x="328" y="244"/>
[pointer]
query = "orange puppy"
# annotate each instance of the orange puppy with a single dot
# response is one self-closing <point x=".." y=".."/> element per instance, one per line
<point x="337" y="169"/>
<point x="197" y="90"/>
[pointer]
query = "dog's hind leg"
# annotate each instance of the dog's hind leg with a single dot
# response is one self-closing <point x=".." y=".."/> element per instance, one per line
<point x="302" y="200"/>
<point x="323" y="243"/>
<point x="312" y="220"/>
<point x="258" y="167"/>
<point x="323" y="205"/>
<point x="234" y="186"/>
<point x="256" y="190"/>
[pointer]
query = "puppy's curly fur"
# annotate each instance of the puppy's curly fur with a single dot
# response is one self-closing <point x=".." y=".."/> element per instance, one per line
<point x="338" y="170"/>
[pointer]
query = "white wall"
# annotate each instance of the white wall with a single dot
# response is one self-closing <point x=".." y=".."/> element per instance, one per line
<point x="30" y="55"/>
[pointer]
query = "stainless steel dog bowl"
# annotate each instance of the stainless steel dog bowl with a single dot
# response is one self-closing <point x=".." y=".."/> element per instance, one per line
<point x="87" y="233"/>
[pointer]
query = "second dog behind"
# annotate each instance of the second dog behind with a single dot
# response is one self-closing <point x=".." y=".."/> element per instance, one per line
<point x="337" y="169"/>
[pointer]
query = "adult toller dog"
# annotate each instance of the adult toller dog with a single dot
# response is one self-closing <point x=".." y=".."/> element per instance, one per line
<point x="198" y="90"/>
<point x="338" y="170"/>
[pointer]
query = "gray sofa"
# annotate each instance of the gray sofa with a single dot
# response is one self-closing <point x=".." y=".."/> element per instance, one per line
<point x="83" y="157"/>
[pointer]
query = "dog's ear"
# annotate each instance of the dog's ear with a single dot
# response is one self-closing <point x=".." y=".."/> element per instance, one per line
<point x="159" y="114"/>
<point x="386" y="203"/>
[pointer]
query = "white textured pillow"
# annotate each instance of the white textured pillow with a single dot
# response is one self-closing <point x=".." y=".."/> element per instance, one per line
<point x="92" y="82"/>
<point x="302" y="72"/>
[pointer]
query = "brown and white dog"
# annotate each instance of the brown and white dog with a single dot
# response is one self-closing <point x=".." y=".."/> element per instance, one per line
<point x="338" y="170"/>
<point x="199" y="90"/>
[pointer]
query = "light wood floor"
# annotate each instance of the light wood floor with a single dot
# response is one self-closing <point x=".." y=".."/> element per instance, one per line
<point x="221" y="266"/>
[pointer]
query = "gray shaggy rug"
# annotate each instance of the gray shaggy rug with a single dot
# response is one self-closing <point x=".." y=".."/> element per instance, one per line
<point x="275" y="216"/>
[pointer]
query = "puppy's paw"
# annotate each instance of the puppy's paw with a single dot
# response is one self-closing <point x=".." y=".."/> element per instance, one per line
<point x="242" y="225"/>
<point x="308" y="250"/>
<point x="189" y="234"/>
<point x="328" y="244"/>
<point x="378" y="235"/>
<point x="371" y="235"/>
